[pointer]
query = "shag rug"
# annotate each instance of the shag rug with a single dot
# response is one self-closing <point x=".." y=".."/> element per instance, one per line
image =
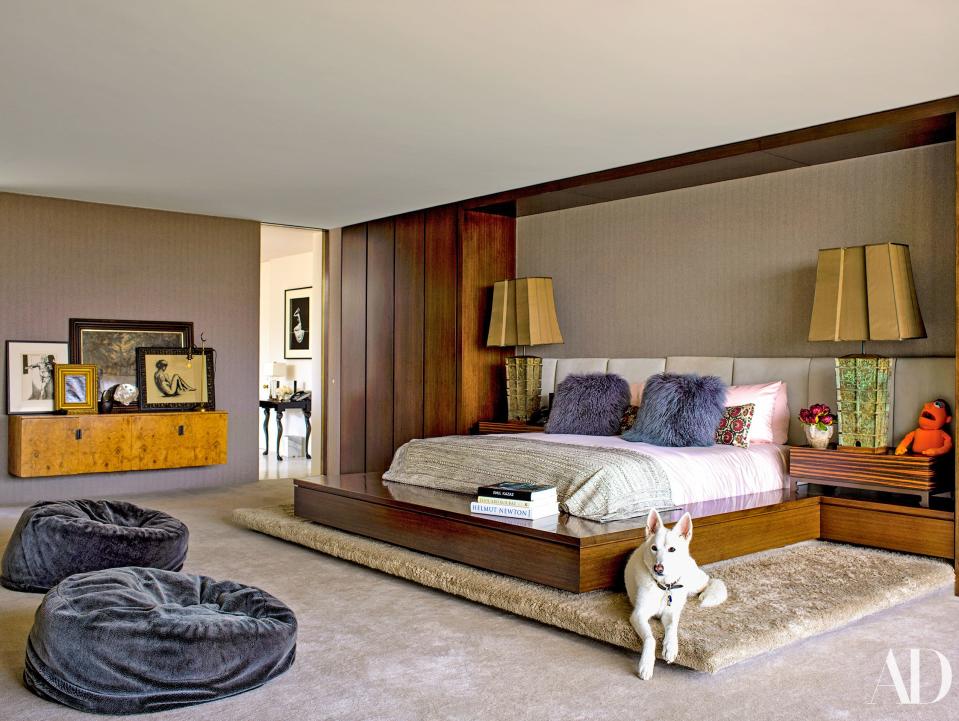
<point x="775" y="597"/>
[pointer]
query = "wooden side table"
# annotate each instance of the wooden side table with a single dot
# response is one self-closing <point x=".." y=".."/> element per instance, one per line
<point x="281" y="407"/>
<point x="911" y="474"/>
<point x="487" y="427"/>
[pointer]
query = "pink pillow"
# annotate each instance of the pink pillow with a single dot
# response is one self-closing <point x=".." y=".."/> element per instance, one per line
<point x="781" y="416"/>
<point x="771" y="415"/>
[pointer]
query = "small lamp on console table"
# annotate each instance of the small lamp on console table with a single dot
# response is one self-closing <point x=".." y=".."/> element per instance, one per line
<point x="864" y="292"/>
<point x="278" y="375"/>
<point x="524" y="313"/>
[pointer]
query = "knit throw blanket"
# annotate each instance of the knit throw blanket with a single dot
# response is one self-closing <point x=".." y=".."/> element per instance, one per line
<point x="601" y="484"/>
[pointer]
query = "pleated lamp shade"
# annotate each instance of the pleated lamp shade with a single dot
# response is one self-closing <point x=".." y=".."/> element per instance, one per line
<point x="524" y="313"/>
<point x="865" y="292"/>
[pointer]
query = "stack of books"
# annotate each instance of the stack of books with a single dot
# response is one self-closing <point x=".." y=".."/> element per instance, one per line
<point x="516" y="500"/>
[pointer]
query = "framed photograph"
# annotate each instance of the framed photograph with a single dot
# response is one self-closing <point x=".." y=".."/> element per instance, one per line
<point x="75" y="388"/>
<point x="176" y="379"/>
<point x="297" y="323"/>
<point x="111" y="346"/>
<point x="29" y="382"/>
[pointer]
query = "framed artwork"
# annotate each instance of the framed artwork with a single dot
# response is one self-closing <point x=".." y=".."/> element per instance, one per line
<point x="75" y="388"/>
<point x="176" y="379"/>
<point x="29" y="381"/>
<point x="297" y="323"/>
<point x="111" y="346"/>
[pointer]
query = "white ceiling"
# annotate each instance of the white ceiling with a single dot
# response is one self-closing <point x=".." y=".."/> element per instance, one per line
<point x="325" y="113"/>
<point x="279" y="241"/>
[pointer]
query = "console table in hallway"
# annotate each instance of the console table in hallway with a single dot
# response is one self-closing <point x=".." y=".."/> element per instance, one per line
<point x="281" y="407"/>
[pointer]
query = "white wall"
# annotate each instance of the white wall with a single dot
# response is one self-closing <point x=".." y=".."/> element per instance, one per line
<point x="277" y="275"/>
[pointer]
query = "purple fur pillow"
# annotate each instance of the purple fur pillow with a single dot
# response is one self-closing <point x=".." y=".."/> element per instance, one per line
<point x="679" y="410"/>
<point x="589" y="405"/>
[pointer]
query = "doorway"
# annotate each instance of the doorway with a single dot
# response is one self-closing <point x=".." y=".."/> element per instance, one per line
<point x="290" y="414"/>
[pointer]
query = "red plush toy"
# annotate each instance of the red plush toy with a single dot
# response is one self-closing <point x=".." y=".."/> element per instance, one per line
<point x="929" y="439"/>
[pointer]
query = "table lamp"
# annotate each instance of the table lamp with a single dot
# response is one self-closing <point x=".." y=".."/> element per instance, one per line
<point x="278" y="375"/>
<point x="864" y="292"/>
<point x="523" y="314"/>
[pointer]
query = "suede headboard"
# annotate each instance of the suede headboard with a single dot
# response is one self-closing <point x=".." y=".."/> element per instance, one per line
<point x="808" y="380"/>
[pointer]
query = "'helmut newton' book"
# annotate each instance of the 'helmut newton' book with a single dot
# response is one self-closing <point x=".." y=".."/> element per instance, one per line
<point x="538" y="511"/>
<point x="519" y="491"/>
<point x="514" y="499"/>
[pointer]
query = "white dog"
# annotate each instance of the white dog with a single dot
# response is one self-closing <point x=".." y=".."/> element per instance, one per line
<point x="660" y="576"/>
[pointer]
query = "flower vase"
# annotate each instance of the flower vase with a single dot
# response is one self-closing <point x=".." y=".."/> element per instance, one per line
<point x="819" y="438"/>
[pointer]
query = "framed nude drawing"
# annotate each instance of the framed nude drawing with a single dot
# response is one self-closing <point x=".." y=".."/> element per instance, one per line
<point x="176" y="379"/>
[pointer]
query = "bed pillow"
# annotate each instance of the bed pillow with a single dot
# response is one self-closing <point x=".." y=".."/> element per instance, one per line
<point x="781" y="416"/>
<point x="679" y="410"/>
<point x="629" y="418"/>
<point x="733" y="428"/>
<point x="591" y="404"/>
<point x="771" y="417"/>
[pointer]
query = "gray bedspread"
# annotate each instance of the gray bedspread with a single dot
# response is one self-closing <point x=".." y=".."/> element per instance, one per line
<point x="601" y="484"/>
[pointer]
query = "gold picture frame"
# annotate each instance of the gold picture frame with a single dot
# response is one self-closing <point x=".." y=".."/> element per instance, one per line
<point x="75" y="388"/>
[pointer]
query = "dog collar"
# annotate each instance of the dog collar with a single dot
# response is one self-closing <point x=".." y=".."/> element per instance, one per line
<point x="668" y="588"/>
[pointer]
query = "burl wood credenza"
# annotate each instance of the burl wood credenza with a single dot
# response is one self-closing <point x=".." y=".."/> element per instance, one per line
<point x="69" y="445"/>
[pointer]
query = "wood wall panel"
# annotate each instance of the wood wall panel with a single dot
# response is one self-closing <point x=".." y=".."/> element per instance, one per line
<point x="487" y="253"/>
<point x="409" y="318"/>
<point x="439" y="361"/>
<point x="379" y="344"/>
<point x="329" y="371"/>
<point x="416" y="292"/>
<point x="353" y="351"/>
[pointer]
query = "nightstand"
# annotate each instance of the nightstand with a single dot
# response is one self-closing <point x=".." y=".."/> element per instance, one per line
<point x="486" y="427"/>
<point x="911" y="474"/>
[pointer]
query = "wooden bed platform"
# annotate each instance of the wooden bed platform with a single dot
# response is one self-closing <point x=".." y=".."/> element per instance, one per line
<point x="579" y="555"/>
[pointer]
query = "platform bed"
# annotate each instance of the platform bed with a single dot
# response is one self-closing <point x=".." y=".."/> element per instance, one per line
<point x="579" y="555"/>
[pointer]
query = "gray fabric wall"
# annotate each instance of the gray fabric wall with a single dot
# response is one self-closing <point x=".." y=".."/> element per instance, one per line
<point x="63" y="259"/>
<point x="730" y="268"/>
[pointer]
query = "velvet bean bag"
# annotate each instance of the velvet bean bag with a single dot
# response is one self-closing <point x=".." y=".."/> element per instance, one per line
<point x="55" y="539"/>
<point x="135" y="640"/>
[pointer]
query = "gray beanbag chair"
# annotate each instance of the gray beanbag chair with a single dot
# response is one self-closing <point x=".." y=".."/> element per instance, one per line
<point x="55" y="539"/>
<point x="135" y="640"/>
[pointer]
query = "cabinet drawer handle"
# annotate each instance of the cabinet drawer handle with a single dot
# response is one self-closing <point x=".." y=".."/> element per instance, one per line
<point x="79" y="434"/>
<point x="179" y="430"/>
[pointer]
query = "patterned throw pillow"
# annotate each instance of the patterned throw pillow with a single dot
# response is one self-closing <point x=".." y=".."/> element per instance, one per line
<point x="733" y="429"/>
<point x="629" y="418"/>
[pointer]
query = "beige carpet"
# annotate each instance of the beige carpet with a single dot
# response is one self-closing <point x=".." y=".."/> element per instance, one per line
<point x="775" y="598"/>
<point x="375" y="647"/>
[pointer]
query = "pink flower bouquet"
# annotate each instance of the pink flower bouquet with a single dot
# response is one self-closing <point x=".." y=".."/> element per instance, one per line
<point x="819" y="415"/>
